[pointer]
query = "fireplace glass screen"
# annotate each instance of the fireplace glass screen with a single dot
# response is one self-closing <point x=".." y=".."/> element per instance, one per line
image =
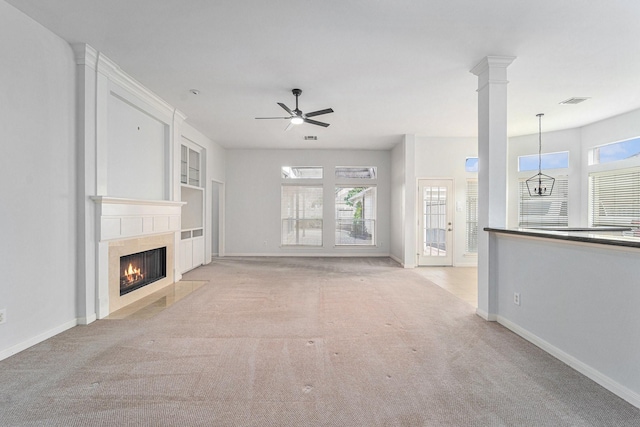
<point x="141" y="269"/>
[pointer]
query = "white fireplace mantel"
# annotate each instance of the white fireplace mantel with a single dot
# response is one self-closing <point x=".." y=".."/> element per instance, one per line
<point x="120" y="218"/>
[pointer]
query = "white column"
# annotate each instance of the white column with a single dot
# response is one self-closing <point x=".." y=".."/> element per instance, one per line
<point x="492" y="170"/>
<point x="410" y="228"/>
<point x="86" y="58"/>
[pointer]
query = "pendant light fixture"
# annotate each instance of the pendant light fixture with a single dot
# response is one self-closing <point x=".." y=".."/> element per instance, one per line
<point x="540" y="184"/>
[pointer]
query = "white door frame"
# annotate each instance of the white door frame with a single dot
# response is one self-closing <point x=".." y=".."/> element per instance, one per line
<point x="221" y="210"/>
<point x="447" y="259"/>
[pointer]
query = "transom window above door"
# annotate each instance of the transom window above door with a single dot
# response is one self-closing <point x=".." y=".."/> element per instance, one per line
<point x="356" y="172"/>
<point x="302" y="172"/>
<point x="533" y="162"/>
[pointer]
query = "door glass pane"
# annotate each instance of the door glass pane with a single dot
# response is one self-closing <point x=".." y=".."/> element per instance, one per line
<point x="435" y="221"/>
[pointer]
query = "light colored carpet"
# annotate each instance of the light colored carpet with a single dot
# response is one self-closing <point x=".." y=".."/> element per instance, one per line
<point x="301" y="342"/>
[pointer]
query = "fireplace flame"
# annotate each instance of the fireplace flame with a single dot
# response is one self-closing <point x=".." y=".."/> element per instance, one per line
<point x="132" y="274"/>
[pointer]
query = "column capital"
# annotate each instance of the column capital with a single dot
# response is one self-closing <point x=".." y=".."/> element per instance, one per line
<point x="85" y="55"/>
<point x="490" y="62"/>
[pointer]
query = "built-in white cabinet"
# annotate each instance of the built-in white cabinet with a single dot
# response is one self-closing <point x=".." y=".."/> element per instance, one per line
<point x="191" y="249"/>
<point x="192" y="231"/>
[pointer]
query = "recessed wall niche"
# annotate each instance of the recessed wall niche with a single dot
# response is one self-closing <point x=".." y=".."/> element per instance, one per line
<point x="136" y="152"/>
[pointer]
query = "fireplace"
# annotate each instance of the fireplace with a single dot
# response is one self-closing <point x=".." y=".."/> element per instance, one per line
<point x="142" y="268"/>
<point x="127" y="227"/>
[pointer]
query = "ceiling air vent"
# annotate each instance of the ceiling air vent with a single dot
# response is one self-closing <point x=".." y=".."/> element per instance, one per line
<point x="310" y="138"/>
<point x="574" y="100"/>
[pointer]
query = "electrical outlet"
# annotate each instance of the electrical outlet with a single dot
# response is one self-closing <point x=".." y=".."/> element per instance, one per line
<point x="516" y="298"/>
<point x="3" y="316"/>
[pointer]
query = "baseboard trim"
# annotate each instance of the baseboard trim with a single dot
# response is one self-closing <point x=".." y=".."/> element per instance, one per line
<point x="37" y="339"/>
<point x="87" y="320"/>
<point x="486" y="316"/>
<point x="466" y="265"/>
<point x="396" y="259"/>
<point x="311" y="254"/>
<point x="586" y="370"/>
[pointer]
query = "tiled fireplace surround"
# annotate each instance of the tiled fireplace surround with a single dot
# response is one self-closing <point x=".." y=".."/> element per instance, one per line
<point x="125" y="227"/>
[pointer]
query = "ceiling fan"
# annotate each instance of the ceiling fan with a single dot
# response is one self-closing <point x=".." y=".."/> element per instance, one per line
<point x="297" y="117"/>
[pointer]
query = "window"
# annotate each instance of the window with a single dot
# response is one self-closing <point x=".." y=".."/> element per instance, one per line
<point x="355" y="215"/>
<point x="547" y="211"/>
<point x="471" y="241"/>
<point x="364" y="172"/>
<point x="301" y="172"/>
<point x="301" y="214"/>
<point x="471" y="164"/>
<point x="558" y="160"/>
<point x="614" y="198"/>
<point x="616" y="151"/>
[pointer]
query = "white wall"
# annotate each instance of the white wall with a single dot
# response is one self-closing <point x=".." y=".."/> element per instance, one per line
<point x="577" y="301"/>
<point x="578" y="142"/>
<point x="137" y="152"/>
<point x="552" y="142"/>
<point x="37" y="171"/>
<point x="51" y="164"/>
<point x="445" y="158"/>
<point x="253" y="183"/>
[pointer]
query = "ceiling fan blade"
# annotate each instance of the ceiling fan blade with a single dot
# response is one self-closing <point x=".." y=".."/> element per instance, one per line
<point x="268" y="118"/>
<point x="319" y="112"/>
<point x="286" y="108"/>
<point x="289" y="126"/>
<point x="313" y="122"/>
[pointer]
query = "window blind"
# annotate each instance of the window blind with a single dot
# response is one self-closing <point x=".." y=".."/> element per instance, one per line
<point x="614" y="198"/>
<point x="544" y="211"/>
<point x="471" y="241"/>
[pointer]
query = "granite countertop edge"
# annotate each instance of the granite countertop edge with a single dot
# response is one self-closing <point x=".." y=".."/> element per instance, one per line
<point x="585" y="235"/>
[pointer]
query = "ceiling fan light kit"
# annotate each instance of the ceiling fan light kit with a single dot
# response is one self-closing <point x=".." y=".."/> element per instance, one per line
<point x="296" y="116"/>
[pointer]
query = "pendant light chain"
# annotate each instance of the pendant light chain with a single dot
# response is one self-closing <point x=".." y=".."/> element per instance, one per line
<point x="540" y="142"/>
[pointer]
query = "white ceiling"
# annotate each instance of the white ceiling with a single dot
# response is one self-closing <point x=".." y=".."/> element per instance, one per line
<point x="387" y="67"/>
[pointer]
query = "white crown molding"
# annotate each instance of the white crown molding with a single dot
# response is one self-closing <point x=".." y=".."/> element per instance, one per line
<point x="179" y="115"/>
<point x="90" y="57"/>
<point x="115" y="74"/>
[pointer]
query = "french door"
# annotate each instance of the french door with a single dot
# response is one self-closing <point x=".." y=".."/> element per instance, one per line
<point x="435" y="222"/>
